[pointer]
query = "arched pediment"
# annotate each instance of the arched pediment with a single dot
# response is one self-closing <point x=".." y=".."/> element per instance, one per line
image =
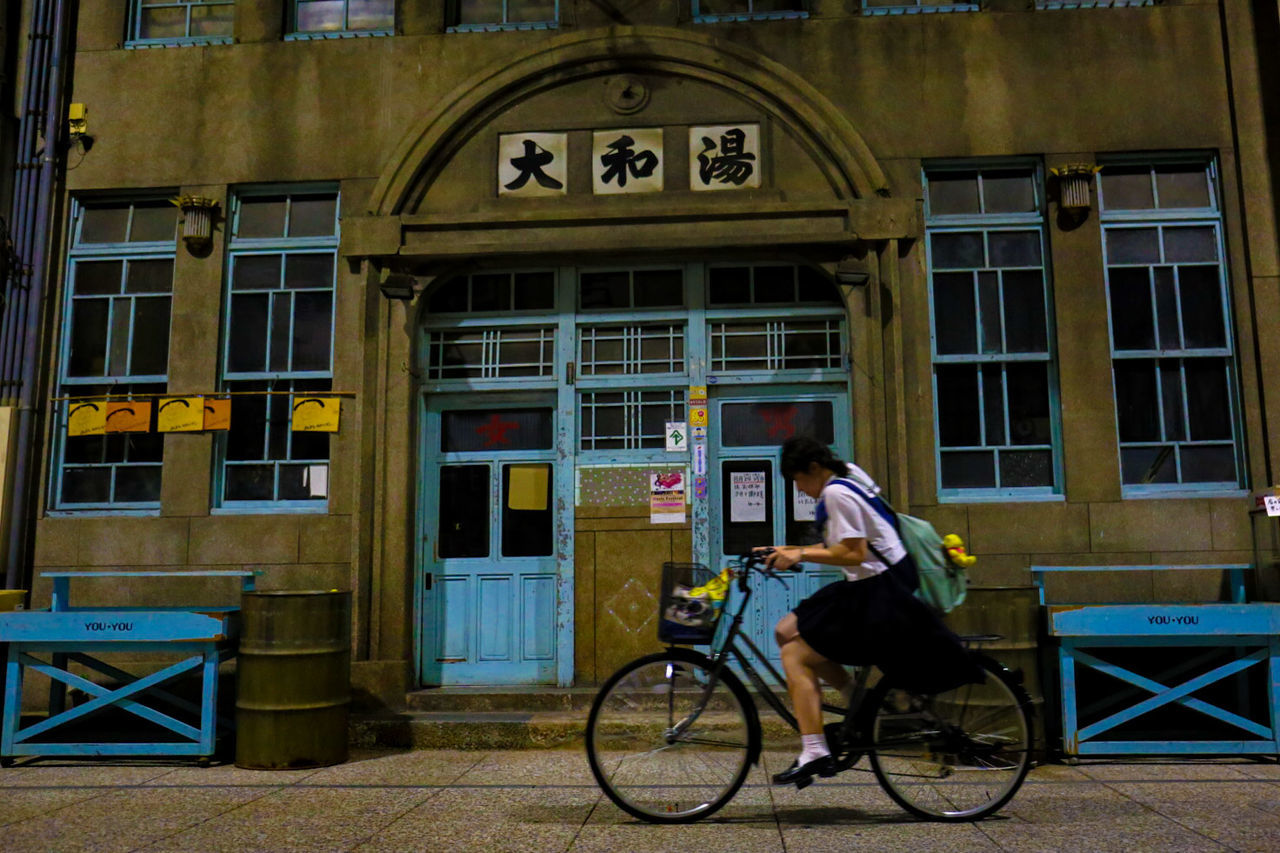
<point x="754" y="85"/>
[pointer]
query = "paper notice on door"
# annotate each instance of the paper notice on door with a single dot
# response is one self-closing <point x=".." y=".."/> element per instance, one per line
<point x="527" y="488"/>
<point x="746" y="496"/>
<point x="666" y="498"/>
<point x="802" y="506"/>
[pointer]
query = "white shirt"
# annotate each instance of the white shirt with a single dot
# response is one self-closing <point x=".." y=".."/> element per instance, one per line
<point x="849" y="517"/>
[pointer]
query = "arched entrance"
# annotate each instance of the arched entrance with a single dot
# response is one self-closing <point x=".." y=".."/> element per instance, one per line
<point x="558" y="337"/>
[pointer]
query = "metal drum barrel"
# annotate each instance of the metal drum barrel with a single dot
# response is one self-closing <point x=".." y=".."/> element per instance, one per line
<point x="293" y="679"/>
<point x="1013" y="612"/>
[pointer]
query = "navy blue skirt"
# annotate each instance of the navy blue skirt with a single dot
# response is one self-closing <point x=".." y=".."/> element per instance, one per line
<point x="877" y="621"/>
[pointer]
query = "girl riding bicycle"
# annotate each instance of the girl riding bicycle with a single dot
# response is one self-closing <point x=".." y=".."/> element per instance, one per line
<point x="871" y="617"/>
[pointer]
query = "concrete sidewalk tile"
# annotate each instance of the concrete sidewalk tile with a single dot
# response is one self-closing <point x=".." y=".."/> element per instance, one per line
<point x="19" y="804"/>
<point x="123" y="820"/>
<point x="488" y="818"/>
<point x="228" y="775"/>
<point x="716" y="833"/>
<point x="896" y="835"/>
<point x="1239" y="815"/>
<point x="534" y="767"/>
<point x="1261" y="770"/>
<point x="300" y="818"/>
<point x="85" y="774"/>
<point x="1179" y="771"/>
<point x="1099" y="837"/>
<point x="420" y="768"/>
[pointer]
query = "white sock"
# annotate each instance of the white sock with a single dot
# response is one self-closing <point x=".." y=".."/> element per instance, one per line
<point x="812" y="747"/>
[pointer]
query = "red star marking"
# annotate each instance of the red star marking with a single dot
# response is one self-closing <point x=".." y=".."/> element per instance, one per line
<point x="779" y="420"/>
<point x="495" y="431"/>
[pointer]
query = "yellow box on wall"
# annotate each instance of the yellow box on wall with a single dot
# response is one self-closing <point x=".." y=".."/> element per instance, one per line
<point x="180" y="414"/>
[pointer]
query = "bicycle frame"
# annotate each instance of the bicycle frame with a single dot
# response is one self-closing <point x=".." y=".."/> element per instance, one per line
<point x="727" y="649"/>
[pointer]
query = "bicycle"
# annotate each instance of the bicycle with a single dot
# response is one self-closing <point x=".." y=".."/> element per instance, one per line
<point x="672" y="736"/>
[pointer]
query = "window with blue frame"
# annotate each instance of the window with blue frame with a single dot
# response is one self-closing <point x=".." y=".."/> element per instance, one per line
<point x="916" y="7"/>
<point x="336" y="18"/>
<point x="114" y="341"/>
<point x="994" y="379"/>
<point x="1091" y="4"/>
<point x="1172" y="354"/>
<point x="503" y="14"/>
<point x="711" y="11"/>
<point x="177" y="22"/>
<point x="277" y="345"/>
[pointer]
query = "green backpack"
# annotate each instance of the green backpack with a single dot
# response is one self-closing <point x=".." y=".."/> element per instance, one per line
<point x="943" y="584"/>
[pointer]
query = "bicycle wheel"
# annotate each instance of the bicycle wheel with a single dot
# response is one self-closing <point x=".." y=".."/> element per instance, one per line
<point x="953" y="756"/>
<point x="665" y="743"/>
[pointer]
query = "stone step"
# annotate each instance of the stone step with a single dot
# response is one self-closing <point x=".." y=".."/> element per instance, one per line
<point x="530" y="699"/>
<point x="474" y="730"/>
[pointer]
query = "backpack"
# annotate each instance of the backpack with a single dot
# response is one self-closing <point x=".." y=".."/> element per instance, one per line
<point x="943" y="584"/>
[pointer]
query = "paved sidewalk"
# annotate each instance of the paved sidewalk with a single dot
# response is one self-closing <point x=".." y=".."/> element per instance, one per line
<point x="545" y="800"/>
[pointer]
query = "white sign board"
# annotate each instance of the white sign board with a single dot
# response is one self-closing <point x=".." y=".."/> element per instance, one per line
<point x="746" y="496"/>
<point x="626" y="161"/>
<point x="724" y="157"/>
<point x="532" y="164"/>
<point x="677" y="436"/>
<point x="1272" y="504"/>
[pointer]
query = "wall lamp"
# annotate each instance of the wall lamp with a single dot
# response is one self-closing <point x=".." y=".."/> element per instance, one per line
<point x="198" y="214"/>
<point x="398" y="285"/>
<point x="852" y="271"/>
<point x="1073" y="188"/>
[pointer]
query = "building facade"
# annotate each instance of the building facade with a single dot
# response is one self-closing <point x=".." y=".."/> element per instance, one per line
<point x="568" y="272"/>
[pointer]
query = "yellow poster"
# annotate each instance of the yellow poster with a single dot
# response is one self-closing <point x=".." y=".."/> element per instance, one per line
<point x="315" y="414"/>
<point x="697" y="416"/>
<point x="217" y="414"/>
<point x="697" y="393"/>
<point x="87" y="418"/>
<point x="179" y="414"/>
<point x="128" y="416"/>
<point x="528" y="486"/>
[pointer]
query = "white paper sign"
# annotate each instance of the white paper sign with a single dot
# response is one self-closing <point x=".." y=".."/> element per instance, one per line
<point x="1272" y="504"/>
<point x="316" y="479"/>
<point x="802" y="506"/>
<point x="677" y="436"/>
<point x="746" y="496"/>
<point x="666" y="498"/>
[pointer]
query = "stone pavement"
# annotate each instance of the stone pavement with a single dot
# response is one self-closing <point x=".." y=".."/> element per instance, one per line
<point x="546" y="800"/>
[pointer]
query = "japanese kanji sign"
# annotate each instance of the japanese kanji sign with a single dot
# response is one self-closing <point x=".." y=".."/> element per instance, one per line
<point x="626" y="161"/>
<point x="724" y="157"/>
<point x="532" y="164"/>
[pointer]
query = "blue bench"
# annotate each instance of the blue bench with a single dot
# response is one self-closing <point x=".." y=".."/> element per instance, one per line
<point x="64" y="634"/>
<point x="1206" y="645"/>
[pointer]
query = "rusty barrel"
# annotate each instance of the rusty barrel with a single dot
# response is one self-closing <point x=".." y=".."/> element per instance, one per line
<point x="293" y="679"/>
<point x="1013" y="613"/>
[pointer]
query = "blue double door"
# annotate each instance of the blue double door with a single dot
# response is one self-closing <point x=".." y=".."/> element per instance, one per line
<point x="490" y="569"/>
<point x="752" y="505"/>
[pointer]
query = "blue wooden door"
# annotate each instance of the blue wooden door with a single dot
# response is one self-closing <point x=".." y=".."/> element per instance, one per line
<point x="488" y="575"/>
<point x="751" y="505"/>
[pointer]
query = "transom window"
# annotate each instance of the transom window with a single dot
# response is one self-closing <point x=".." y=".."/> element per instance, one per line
<point x="277" y="344"/>
<point x="639" y="337"/>
<point x="994" y="379"/>
<point x="115" y="341"/>
<point x="180" y="21"/>
<point x="503" y="14"/>
<point x="343" y="17"/>
<point x="1172" y="353"/>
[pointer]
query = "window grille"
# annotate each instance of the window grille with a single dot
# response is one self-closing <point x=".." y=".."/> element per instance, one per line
<point x="628" y="420"/>
<point x="491" y="353"/>
<point x="627" y="350"/>
<point x="114" y="341"/>
<point x="713" y="11"/>
<point x="1172" y="354"/>
<point x="995" y="381"/>
<point x="916" y="7"/>
<point x="776" y="345"/>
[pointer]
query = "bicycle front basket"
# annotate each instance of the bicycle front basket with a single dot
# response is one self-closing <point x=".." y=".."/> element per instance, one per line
<point x="688" y="611"/>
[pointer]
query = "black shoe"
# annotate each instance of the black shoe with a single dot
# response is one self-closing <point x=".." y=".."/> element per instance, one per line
<point x="802" y="775"/>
